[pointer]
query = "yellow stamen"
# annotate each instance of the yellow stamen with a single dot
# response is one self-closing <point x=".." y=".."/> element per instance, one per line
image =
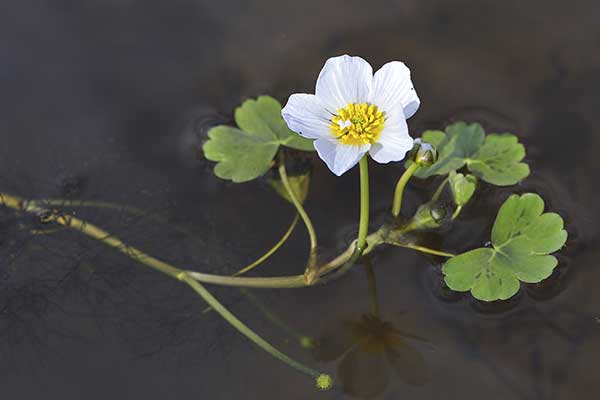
<point x="358" y="124"/>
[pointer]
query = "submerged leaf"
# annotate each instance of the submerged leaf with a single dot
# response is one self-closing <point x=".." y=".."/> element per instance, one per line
<point x="495" y="158"/>
<point x="462" y="187"/>
<point x="522" y="239"/>
<point x="247" y="153"/>
<point x="300" y="185"/>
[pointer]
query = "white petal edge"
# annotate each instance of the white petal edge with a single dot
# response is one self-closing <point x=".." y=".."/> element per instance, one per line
<point x="306" y="115"/>
<point x="339" y="157"/>
<point x="393" y="89"/>
<point x="394" y="142"/>
<point x="343" y="80"/>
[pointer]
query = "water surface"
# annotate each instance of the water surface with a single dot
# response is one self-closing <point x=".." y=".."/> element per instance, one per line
<point x="110" y="100"/>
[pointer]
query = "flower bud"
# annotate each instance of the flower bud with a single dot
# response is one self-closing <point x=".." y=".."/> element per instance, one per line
<point x="424" y="154"/>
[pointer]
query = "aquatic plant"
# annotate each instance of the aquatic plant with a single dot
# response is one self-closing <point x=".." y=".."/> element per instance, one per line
<point x="353" y="114"/>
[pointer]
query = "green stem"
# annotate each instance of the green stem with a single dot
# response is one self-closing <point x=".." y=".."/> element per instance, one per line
<point x="280" y="282"/>
<point x="272" y="250"/>
<point x="438" y="191"/>
<point x="93" y="231"/>
<point x="69" y="203"/>
<point x="246" y="331"/>
<point x="423" y="249"/>
<point x="311" y="265"/>
<point x="265" y="256"/>
<point x="398" y="193"/>
<point x="303" y="340"/>
<point x="363" y="224"/>
<point x="456" y="212"/>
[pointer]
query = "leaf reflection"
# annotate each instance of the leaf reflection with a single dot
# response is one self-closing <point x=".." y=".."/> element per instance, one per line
<point x="371" y="351"/>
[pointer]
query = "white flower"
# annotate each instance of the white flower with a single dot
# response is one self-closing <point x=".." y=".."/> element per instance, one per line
<point x="354" y="112"/>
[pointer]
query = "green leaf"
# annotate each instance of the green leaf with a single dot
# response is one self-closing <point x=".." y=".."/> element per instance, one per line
<point x="495" y="158"/>
<point x="247" y="153"/>
<point x="240" y="156"/>
<point x="498" y="160"/>
<point x="300" y="185"/>
<point x="454" y="147"/>
<point x="523" y="236"/>
<point x="462" y="187"/>
<point x="262" y="116"/>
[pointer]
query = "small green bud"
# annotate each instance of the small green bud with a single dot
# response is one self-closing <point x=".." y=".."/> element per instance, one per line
<point x="324" y="382"/>
<point x="424" y="154"/>
<point x="438" y="213"/>
<point x="307" y="342"/>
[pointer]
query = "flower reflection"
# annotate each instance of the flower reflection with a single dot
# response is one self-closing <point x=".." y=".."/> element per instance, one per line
<point x="371" y="350"/>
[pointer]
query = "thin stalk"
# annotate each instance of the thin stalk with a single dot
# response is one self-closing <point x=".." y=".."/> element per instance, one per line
<point x="69" y="203"/>
<point x="271" y="251"/>
<point x="265" y="256"/>
<point x="399" y="192"/>
<point x="323" y="380"/>
<point x="440" y="188"/>
<point x="363" y="224"/>
<point x="424" y="249"/>
<point x="303" y="340"/>
<point x="311" y="265"/>
<point x="249" y="333"/>
<point x="279" y="282"/>
<point x="456" y="212"/>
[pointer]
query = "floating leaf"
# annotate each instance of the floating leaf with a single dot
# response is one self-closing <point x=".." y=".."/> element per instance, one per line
<point x="460" y="142"/>
<point x="240" y="156"/>
<point x="498" y="160"/>
<point x="300" y="185"/>
<point x="495" y="158"/>
<point x="462" y="186"/>
<point x="263" y="115"/>
<point x="247" y="153"/>
<point x="522" y="239"/>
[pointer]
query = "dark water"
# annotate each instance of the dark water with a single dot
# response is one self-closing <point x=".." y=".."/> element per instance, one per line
<point x="109" y="100"/>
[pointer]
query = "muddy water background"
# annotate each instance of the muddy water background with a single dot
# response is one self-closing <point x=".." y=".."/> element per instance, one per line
<point x="109" y="100"/>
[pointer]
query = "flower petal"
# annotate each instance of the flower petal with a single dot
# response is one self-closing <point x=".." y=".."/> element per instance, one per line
<point x="394" y="141"/>
<point x="393" y="90"/>
<point x="306" y="115"/>
<point x="339" y="157"/>
<point x="344" y="80"/>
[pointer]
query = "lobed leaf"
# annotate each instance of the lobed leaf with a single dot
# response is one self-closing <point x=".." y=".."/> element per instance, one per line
<point x="246" y="153"/>
<point x="523" y="236"/>
<point x="462" y="187"/>
<point x="495" y="158"/>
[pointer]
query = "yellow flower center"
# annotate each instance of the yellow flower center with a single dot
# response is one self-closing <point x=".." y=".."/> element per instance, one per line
<point x="358" y="124"/>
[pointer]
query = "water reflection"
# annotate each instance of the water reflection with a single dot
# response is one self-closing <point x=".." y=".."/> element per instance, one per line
<point x="370" y="350"/>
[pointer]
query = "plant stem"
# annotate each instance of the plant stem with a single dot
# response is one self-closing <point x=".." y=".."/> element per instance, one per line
<point x="438" y="191"/>
<point x="456" y="212"/>
<point x="311" y="265"/>
<point x="184" y="276"/>
<point x="363" y="224"/>
<point x="243" y="328"/>
<point x="423" y="249"/>
<point x="272" y="250"/>
<point x="398" y="193"/>
<point x="303" y="340"/>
